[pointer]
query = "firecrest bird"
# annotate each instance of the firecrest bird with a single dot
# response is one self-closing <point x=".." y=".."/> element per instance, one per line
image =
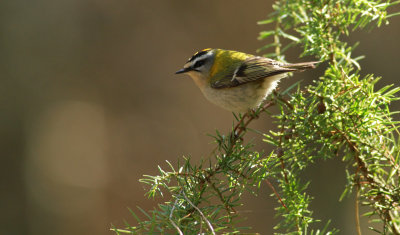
<point x="237" y="81"/>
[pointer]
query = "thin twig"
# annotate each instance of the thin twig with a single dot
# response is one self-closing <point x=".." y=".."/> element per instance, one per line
<point x="172" y="222"/>
<point x="395" y="226"/>
<point x="276" y="193"/>
<point x="221" y="197"/>
<point x="280" y="153"/>
<point x="200" y="212"/>
<point x="356" y="207"/>
<point x="371" y="181"/>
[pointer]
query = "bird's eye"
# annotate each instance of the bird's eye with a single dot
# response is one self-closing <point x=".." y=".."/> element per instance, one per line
<point x="198" y="63"/>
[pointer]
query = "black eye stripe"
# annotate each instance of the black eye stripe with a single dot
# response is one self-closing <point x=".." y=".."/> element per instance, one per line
<point x="198" y="63"/>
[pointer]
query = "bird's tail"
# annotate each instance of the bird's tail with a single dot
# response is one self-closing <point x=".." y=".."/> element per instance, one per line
<point x="302" y="66"/>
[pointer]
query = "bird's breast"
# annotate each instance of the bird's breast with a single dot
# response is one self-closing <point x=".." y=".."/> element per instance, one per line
<point x="243" y="97"/>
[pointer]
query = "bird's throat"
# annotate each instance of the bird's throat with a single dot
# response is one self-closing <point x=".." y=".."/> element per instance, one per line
<point x="200" y="81"/>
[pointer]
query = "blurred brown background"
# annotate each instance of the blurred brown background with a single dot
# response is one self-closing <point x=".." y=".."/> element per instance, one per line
<point x="89" y="103"/>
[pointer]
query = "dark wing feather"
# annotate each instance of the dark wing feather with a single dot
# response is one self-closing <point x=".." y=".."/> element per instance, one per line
<point x="252" y="69"/>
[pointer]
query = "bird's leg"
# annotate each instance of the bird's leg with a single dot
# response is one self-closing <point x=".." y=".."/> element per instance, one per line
<point x="240" y="126"/>
<point x="275" y="92"/>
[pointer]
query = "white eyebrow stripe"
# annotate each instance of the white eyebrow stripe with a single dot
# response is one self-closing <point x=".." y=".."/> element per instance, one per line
<point x="208" y="54"/>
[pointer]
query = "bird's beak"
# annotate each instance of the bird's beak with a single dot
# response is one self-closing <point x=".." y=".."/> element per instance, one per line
<point x="184" y="70"/>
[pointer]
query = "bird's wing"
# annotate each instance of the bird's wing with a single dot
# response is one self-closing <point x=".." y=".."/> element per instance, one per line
<point x="252" y="69"/>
